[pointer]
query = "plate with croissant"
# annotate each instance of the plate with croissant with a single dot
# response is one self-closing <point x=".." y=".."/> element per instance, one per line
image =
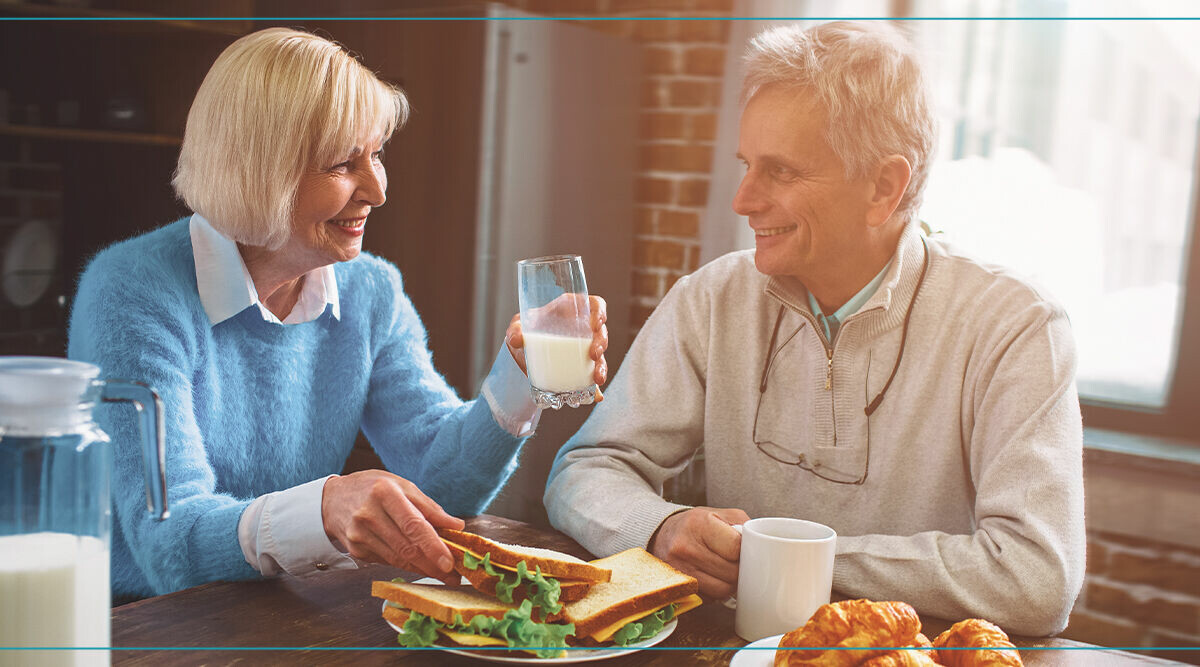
<point x="862" y="633"/>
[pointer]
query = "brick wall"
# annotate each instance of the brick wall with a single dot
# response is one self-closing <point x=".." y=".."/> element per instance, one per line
<point x="1139" y="592"/>
<point x="683" y="62"/>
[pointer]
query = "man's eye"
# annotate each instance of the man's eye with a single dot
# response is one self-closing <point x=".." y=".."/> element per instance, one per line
<point x="782" y="173"/>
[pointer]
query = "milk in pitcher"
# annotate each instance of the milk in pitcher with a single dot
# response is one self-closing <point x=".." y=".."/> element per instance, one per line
<point x="54" y="591"/>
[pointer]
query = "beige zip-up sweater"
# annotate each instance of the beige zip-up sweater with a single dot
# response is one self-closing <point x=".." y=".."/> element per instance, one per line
<point x="972" y="504"/>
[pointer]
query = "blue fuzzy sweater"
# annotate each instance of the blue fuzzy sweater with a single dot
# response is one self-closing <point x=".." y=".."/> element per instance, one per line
<point x="254" y="407"/>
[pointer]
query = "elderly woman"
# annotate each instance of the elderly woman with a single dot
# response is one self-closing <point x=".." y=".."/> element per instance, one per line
<point x="273" y="339"/>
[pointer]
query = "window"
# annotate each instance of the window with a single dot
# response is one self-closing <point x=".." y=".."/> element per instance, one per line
<point x="1067" y="153"/>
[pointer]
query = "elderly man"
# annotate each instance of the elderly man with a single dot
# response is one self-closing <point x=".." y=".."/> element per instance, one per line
<point x="848" y="370"/>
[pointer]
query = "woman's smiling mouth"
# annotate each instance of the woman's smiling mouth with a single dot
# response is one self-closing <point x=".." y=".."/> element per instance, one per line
<point x="350" y="223"/>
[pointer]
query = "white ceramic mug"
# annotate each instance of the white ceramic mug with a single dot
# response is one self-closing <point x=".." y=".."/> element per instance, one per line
<point x="785" y="573"/>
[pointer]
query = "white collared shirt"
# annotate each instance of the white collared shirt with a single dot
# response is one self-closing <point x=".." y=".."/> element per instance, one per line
<point x="283" y="531"/>
<point x="227" y="289"/>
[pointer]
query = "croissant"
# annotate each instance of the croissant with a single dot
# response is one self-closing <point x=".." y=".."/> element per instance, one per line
<point x="976" y="632"/>
<point x="901" y="659"/>
<point x="851" y="624"/>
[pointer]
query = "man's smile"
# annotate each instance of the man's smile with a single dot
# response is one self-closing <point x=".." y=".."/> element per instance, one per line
<point x="774" y="231"/>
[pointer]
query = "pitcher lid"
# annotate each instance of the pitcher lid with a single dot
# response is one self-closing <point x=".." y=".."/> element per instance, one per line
<point x="38" y="392"/>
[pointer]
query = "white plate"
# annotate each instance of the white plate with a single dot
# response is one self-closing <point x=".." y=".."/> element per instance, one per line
<point x="757" y="654"/>
<point x="573" y="655"/>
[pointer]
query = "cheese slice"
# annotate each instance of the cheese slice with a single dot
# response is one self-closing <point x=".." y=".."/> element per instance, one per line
<point x="472" y="640"/>
<point x="460" y="547"/>
<point x="681" y="605"/>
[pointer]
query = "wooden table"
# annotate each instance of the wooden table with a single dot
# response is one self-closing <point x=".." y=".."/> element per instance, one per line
<point x="335" y="610"/>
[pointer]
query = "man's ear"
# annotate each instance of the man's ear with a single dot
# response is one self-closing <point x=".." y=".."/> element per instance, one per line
<point x="887" y="188"/>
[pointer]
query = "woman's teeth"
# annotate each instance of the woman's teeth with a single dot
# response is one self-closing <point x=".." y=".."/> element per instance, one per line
<point x="350" y="224"/>
<point x="774" y="231"/>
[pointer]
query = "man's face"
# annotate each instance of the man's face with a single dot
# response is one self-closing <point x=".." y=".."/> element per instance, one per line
<point x="809" y="221"/>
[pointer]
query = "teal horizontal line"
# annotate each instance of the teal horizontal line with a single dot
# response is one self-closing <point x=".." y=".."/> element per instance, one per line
<point x="586" y="648"/>
<point x="599" y="18"/>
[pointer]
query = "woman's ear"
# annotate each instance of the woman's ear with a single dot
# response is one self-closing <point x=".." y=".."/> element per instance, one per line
<point x="888" y="186"/>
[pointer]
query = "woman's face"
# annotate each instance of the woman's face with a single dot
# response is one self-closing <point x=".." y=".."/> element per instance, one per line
<point x="332" y="205"/>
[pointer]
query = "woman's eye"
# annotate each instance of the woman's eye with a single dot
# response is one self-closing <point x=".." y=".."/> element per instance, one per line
<point x="378" y="155"/>
<point x="341" y="166"/>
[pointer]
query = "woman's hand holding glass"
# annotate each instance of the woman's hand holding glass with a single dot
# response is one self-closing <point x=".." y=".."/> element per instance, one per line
<point x="515" y="339"/>
<point x="383" y="518"/>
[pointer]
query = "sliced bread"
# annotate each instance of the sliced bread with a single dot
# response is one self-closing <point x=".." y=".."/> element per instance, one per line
<point x="640" y="583"/>
<point x="440" y="603"/>
<point x="553" y="563"/>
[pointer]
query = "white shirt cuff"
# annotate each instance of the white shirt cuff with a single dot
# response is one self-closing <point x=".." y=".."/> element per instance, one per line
<point x="507" y="392"/>
<point x="283" y="532"/>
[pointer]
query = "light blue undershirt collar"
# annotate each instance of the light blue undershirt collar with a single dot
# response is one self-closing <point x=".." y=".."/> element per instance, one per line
<point x="226" y="288"/>
<point x="832" y="323"/>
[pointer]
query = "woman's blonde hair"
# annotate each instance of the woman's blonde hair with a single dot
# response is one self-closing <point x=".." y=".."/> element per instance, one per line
<point x="867" y="77"/>
<point x="275" y="103"/>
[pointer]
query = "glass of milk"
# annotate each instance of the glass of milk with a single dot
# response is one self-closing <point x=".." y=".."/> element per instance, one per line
<point x="556" y="323"/>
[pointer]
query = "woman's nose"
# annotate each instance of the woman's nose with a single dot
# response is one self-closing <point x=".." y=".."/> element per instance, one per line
<point x="372" y="186"/>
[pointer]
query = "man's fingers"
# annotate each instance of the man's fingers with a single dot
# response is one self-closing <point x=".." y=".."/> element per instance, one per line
<point x="731" y="515"/>
<point x="718" y="585"/>
<point x="686" y="544"/>
<point x="720" y="538"/>
<point x="714" y="587"/>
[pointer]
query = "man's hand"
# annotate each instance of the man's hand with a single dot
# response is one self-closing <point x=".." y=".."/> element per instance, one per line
<point x="701" y="542"/>
<point x="383" y="518"/>
<point x="599" y="316"/>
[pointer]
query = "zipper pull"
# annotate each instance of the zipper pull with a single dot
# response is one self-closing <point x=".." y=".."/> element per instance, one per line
<point x="829" y="374"/>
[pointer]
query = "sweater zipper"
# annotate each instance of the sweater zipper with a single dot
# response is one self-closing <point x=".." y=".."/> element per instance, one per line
<point x="828" y="345"/>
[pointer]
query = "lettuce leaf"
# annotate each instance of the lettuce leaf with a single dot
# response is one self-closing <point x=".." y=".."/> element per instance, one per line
<point x="542" y="592"/>
<point x="419" y="630"/>
<point x="645" y="628"/>
<point x="520" y="631"/>
<point x="517" y="629"/>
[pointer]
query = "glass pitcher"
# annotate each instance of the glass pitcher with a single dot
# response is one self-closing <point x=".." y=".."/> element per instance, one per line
<point x="55" y="516"/>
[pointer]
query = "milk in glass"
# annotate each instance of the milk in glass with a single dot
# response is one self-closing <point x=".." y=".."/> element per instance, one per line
<point x="558" y="363"/>
<point x="54" y="591"/>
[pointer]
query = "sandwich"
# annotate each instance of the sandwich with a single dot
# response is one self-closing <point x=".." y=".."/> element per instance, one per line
<point x="467" y="618"/>
<point x="643" y="595"/>
<point x="640" y="596"/>
<point x="515" y="573"/>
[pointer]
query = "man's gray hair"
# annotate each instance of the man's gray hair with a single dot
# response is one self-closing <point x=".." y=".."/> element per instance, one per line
<point x="867" y="77"/>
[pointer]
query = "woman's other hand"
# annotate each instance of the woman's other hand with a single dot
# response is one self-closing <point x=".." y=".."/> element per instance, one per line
<point x="384" y="518"/>
<point x="599" y="313"/>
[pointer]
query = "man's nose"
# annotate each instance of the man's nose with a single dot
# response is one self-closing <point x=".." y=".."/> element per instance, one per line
<point x="748" y="200"/>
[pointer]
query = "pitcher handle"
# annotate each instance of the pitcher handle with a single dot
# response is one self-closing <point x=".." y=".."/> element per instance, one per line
<point x="154" y="453"/>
